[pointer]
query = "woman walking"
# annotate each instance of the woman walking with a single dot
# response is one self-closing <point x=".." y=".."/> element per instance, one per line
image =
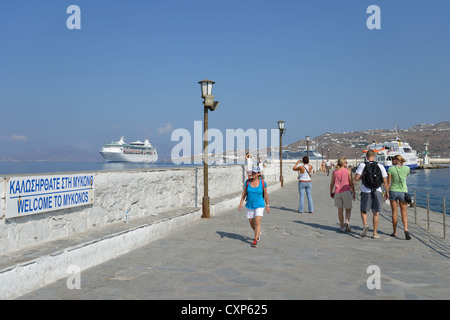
<point x="342" y="183"/>
<point x="249" y="161"/>
<point x="257" y="200"/>
<point x="397" y="189"/>
<point x="304" y="184"/>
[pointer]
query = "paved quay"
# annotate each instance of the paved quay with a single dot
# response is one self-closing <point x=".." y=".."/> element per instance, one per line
<point x="300" y="256"/>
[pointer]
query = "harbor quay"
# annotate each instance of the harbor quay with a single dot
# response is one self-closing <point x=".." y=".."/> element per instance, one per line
<point x="299" y="256"/>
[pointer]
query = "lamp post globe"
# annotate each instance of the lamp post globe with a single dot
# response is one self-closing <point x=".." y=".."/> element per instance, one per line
<point x="206" y="86"/>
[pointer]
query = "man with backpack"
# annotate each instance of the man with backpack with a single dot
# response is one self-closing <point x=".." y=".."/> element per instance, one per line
<point x="373" y="175"/>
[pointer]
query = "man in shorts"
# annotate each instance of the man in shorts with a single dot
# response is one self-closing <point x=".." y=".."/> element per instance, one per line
<point x="367" y="201"/>
<point x="328" y="166"/>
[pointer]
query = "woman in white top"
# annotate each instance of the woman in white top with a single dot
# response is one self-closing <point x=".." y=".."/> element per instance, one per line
<point x="249" y="160"/>
<point x="304" y="184"/>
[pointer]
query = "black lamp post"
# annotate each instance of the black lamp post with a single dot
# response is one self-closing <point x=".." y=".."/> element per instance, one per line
<point x="210" y="104"/>
<point x="282" y="131"/>
<point x="307" y="145"/>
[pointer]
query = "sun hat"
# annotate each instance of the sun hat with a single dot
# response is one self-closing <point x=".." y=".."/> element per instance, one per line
<point x="256" y="169"/>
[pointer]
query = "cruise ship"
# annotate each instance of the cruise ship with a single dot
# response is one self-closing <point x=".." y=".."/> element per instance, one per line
<point x="121" y="151"/>
<point x="387" y="150"/>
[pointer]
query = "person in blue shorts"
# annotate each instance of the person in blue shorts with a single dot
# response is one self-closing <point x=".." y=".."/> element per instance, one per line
<point x="397" y="174"/>
<point x="257" y="200"/>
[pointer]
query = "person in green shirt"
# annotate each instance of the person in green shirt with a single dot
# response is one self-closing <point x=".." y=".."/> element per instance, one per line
<point x="397" y="188"/>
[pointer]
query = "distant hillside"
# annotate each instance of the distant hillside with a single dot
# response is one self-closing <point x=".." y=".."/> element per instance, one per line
<point x="351" y="144"/>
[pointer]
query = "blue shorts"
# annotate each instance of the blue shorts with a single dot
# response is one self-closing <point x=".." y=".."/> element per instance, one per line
<point x="394" y="196"/>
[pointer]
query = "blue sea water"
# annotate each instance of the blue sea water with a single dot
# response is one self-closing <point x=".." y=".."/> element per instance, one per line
<point x="29" y="167"/>
<point x="434" y="181"/>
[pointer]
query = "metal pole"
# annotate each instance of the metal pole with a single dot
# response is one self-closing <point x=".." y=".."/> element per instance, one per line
<point x="415" y="207"/>
<point x="317" y="163"/>
<point x="444" y="213"/>
<point x="307" y="148"/>
<point x="428" y="210"/>
<point x="281" y="158"/>
<point x="205" y="204"/>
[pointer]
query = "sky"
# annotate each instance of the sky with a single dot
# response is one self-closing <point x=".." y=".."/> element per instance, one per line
<point x="133" y="68"/>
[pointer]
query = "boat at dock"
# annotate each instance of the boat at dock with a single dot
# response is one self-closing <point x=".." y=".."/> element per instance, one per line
<point x="387" y="150"/>
<point x="122" y="151"/>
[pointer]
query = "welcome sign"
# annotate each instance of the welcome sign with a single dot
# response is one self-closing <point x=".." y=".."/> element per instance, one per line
<point x="39" y="194"/>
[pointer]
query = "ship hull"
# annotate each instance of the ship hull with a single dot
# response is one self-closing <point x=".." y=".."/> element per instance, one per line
<point x="121" y="157"/>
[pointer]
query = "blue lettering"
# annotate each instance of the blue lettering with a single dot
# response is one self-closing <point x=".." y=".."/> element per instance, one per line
<point x="18" y="187"/>
<point x="66" y="199"/>
<point x="42" y="203"/>
<point x="28" y="205"/>
<point x="20" y="206"/>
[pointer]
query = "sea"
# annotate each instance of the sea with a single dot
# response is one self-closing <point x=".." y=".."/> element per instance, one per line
<point x="30" y="167"/>
<point x="434" y="181"/>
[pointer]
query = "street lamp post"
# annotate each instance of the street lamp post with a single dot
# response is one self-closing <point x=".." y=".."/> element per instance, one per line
<point x="209" y="103"/>
<point x="307" y="145"/>
<point x="282" y="131"/>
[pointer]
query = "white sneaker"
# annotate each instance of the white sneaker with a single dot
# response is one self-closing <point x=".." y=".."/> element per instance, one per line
<point x="364" y="232"/>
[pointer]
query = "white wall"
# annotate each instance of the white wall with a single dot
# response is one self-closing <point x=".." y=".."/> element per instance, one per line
<point x="140" y="192"/>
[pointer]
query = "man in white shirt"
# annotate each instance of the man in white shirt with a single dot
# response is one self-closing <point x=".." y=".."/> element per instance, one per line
<point x="328" y="166"/>
<point x="369" y="201"/>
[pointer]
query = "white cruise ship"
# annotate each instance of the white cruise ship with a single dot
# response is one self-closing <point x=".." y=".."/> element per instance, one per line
<point x="121" y="151"/>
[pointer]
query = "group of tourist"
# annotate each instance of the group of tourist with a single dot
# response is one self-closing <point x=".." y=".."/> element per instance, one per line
<point x="372" y="176"/>
<point x="342" y="190"/>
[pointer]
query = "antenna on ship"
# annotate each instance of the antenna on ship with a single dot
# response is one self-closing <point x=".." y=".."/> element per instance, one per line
<point x="395" y="128"/>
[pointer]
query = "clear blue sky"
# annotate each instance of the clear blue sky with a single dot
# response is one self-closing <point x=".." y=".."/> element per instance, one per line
<point x="133" y="68"/>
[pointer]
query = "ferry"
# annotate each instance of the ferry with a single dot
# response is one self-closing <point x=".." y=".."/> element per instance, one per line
<point x="387" y="150"/>
<point x="121" y="151"/>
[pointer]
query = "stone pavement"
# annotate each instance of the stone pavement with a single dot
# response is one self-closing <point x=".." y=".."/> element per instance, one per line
<point x="300" y="256"/>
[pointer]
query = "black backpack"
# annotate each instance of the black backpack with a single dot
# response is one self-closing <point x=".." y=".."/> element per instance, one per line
<point x="372" y="177"/>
